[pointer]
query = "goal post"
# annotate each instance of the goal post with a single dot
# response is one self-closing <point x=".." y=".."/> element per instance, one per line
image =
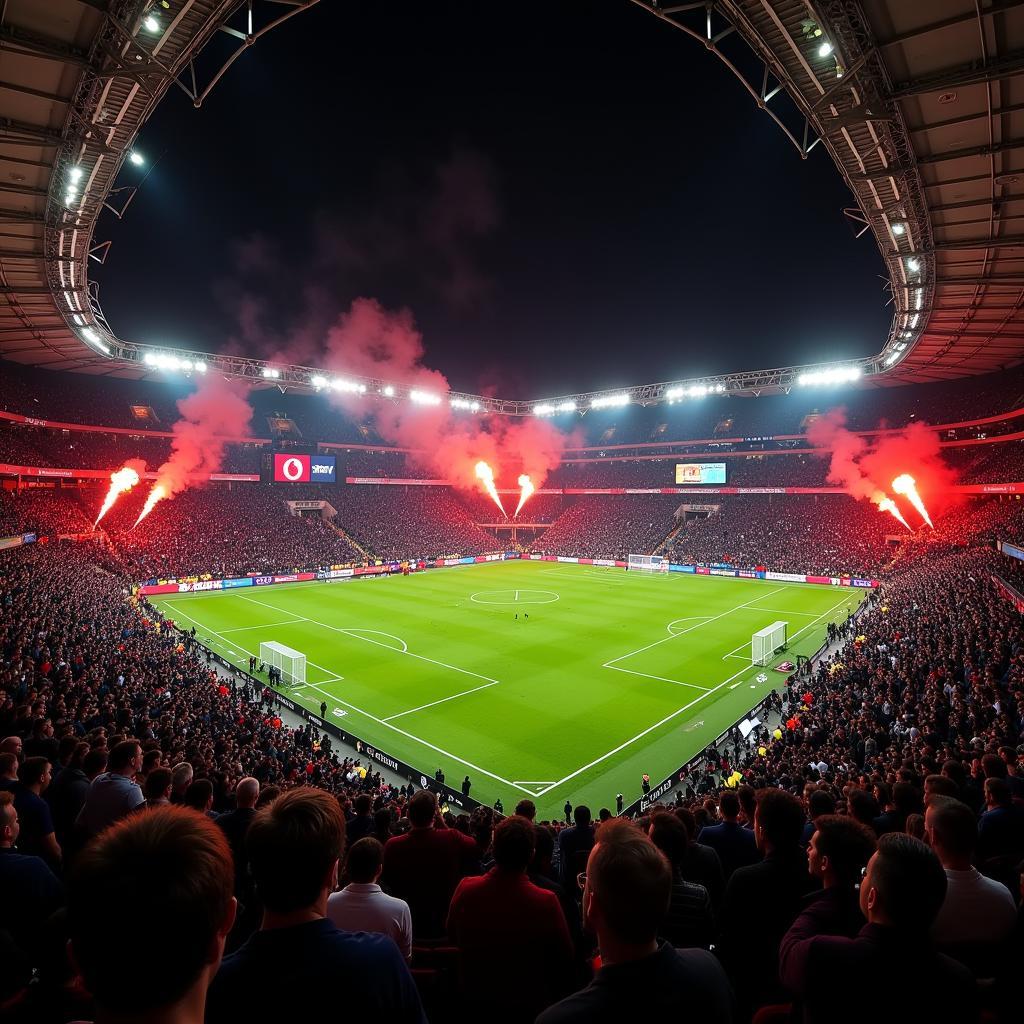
<point x="292" y="663"/>
<point x="647" y="563"/>
<point x="765" y="642"/>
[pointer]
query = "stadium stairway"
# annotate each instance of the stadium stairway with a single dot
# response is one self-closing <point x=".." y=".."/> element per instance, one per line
<point x="351" y="540"/>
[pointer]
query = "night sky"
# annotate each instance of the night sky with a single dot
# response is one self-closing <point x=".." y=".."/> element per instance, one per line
<point x="566" y="196"/>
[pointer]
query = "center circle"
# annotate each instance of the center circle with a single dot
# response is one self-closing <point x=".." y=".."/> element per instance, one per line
<point x="513" y="597"/>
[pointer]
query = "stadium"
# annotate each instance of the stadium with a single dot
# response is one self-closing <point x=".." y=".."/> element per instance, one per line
<point x="372" y="636"/>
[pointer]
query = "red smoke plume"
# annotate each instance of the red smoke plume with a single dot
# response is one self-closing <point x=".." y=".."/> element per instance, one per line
<point x="867" y="470"/>
<point x="371" y="341"/>
<point x="214" y="414"/>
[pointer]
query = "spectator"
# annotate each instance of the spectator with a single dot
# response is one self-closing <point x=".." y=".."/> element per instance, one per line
<point x="819" y="803"/>
<point x="181" y="778"/>
<point x="114" y="794"/>
<point x="976" y="909"/>
<point x="37" y="836"/>
<point x="294" y="846"/>
<point x="734" y="844"/>
<point x="424" y="866"/>
<point x="362" y="906"/>
<point x="840" y="849"/>
<point x="700" y="863"/>
<point x="690" y="921"/>
<point x="158" y="788"/>
<point x="776" y="887"/>
<point x="506" y="927"/>
<point x="900" y="897"/>
<point x="170" y="869"/>
<point x="362" y="824"/>
<point x="574" y="845"/>
<point x="235" y="823"/>
<point x="1001" y="829"/>
<point x="31" y="893"/>
<point x="626" y="895"/>
<point x="66" y="793"/>
<point x="199" y="796"/>
<point x="526" y="809"/>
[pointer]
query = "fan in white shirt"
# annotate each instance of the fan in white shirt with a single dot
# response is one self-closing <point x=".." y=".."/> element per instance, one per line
<point x="362" y="906"/>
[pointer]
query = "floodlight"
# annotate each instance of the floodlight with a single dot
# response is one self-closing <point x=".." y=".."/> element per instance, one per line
<point x="898" y="229"/>
<point x="201" y="366"/>
<point x="424" y="398"/>
<point x="186" y="364"/>
<point x="603" y="401"/>
<point x="136" y="158"/>
<point x="75" y="173"/>
<point x="569" y="406"/>
<point x="825" y="49"/>
<point x="913" y="265"/>
<point x="318" y="382"/>
<point x="150" y="24"/>
<point x="388" y="391"/>
<point x="149" y="359"/>
<point x="270" y="374"/>
<point x="543" y="409"/>
<point x="832" y="375"/>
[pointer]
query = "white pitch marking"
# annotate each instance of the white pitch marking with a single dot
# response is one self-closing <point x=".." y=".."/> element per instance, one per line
<point x="366" y="639"/>
<point x="786" y="611"/>
<point x="615" y="668"/>
<point x="262" y="625"/>
<point x="433" y="703"/>
<point x="668" y="718"/>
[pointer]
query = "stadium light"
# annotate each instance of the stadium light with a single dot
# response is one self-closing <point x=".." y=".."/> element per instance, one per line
<point x="136" y="158"/>
<point x="75" y="173"/>
<point x="464" y="403"/>
<point x="913" y="265"/>
<point x="348" y="385"/>
<point x="388" y="391"/>
<point x="892" y="358"/>
<point x="898" y="228"/>
<point x="544" y="409"/>
<point x="424" y="398"/>
<point x="317" y="381"/>
<point x="201" y="366"/>
<point x="833" y="375"/>
<point x="270" y="374"/>
<point x="569" y="406"/>
<point x="825" y="49"/>
<point x="150" y="24"/>
<point x="604" y="401"/>
<point x="93" y="338"/>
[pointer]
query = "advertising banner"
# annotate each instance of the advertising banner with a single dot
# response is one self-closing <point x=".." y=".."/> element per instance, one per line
<point x="304" y="469"/>
<point x="1010" y="549"/>
<point x="673" y="567"/>
<point x="786" y="577"/>
<point x="244" y="581"/>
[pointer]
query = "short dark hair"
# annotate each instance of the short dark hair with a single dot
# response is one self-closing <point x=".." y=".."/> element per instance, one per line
<point x="685" y="815"/>
<point x="910" y="881"/>
<point x="169" y="869"/>
<point x="364" y="860"/>
<point x="820" y="802"/>
<point x="993" y="766"/>
<point x="122" y="755"/>
<point x="514" y="843"/>
<point x="198" y="794"/>
<point x="291" y="845"/>
<point x="999" y="790"/>
<point x="95" y="761"/>
<point x="846" y="842"/>
<point x="32" y="770"/>
<point x="954" y="824"/>
<point x="907" y="798"/>
<point x="669" y="835"/>
<point x="8" y="762"/>
<point x="863" y="806"/>
<point x="780" y="816"/>
<point x="157" y="783"/>
<point x="942" y="785"/>
<point x="363" y="803"/>
<point x="526" y="809"/>
<point x="422" y="808"/>
<point x="630" y="879"/>
<point x="581" y="816"/>
<point x="729" y="804"/>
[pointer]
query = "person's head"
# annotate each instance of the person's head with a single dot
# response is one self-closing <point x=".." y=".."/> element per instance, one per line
<point x="66" y="748"/>
<point x="862" y="805"/>
<point x="951" y="830"/>
<point x="95" y="762"/>
<point x="125" y="758"/>
<point x="293" y="846"/>
<point x="199" y="795"/>
<point x="543" y="847"/>
<point x="151" y="759"/>
<point x="364" y="861"/>
<point x="76" y="759"/>
<point x="158" y="784"/>
<point x="747" y="797"/>
<point x="9" y="826"/>
<point x="839" y="849"/>
<point x="247" y="792"/>
<point x="628" y="886"/>
<point x="906" y="798"/>
<point x="526" y="809"/>
<point x="778" y="821"/>
<point x="11" y="745"/>
<point x="940" y="785"/>
<point x="149" y="907"/>
<point x="363" y="804"/>
<point x="581" y="815"/>
<point x="35" y="773"/>
<point x="820" y="802"/>
<point x="993" y="767"/>
<point x="904" y="886"/>
<point x="729" y="806"/>
<point x="422" y="809"/>
<point x="8" y="765"/>
<point x="382" y="821"/>
<point x="514" y="843"/>
<point x="268" y="794"/>
<point x="669" y="835"/>
<point x="181" y="777"/>
<point x="42" y="728"/>
<point x="997" y="793"/>
<point x="685" y="815"/>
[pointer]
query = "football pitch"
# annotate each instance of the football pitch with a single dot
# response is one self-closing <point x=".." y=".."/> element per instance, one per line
<point x="613" y="674"/>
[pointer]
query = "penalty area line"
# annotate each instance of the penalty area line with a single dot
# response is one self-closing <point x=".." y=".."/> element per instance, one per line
<point x="434" y="703"/>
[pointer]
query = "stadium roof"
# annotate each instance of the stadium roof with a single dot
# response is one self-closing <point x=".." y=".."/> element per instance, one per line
<point x="920" y="105"/>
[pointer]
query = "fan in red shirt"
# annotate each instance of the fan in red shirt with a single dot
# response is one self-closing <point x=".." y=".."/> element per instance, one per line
<point x="424" y="866"/>
<point x="507" y="927"/>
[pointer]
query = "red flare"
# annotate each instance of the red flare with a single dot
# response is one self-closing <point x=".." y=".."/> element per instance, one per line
<point x="121" y="480"/>
<point x="907" y="486"/>
<point x="888" y="505"/>
<point x="485" y="475"/>
<point x="158" y="492"/>
<point x="527" y="485"/>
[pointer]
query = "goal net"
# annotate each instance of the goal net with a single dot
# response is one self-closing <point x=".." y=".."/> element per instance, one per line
<point x="647" y="563"/>
<point x="765" y="642"/>
<point x="291" y="663"/>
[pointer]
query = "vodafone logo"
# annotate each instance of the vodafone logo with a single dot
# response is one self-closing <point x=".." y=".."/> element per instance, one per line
<point x="301" y="469"/>
<point x="292" y="469"/>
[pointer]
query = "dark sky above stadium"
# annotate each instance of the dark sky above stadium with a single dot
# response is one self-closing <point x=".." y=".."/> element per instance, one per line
<point x="566" y="196"/>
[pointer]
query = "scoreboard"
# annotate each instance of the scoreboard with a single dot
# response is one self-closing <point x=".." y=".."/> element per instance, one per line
<point x="700" y="472"/>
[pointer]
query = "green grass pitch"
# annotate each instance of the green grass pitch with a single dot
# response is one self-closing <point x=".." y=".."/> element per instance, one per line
<point x="614" y="674"/>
